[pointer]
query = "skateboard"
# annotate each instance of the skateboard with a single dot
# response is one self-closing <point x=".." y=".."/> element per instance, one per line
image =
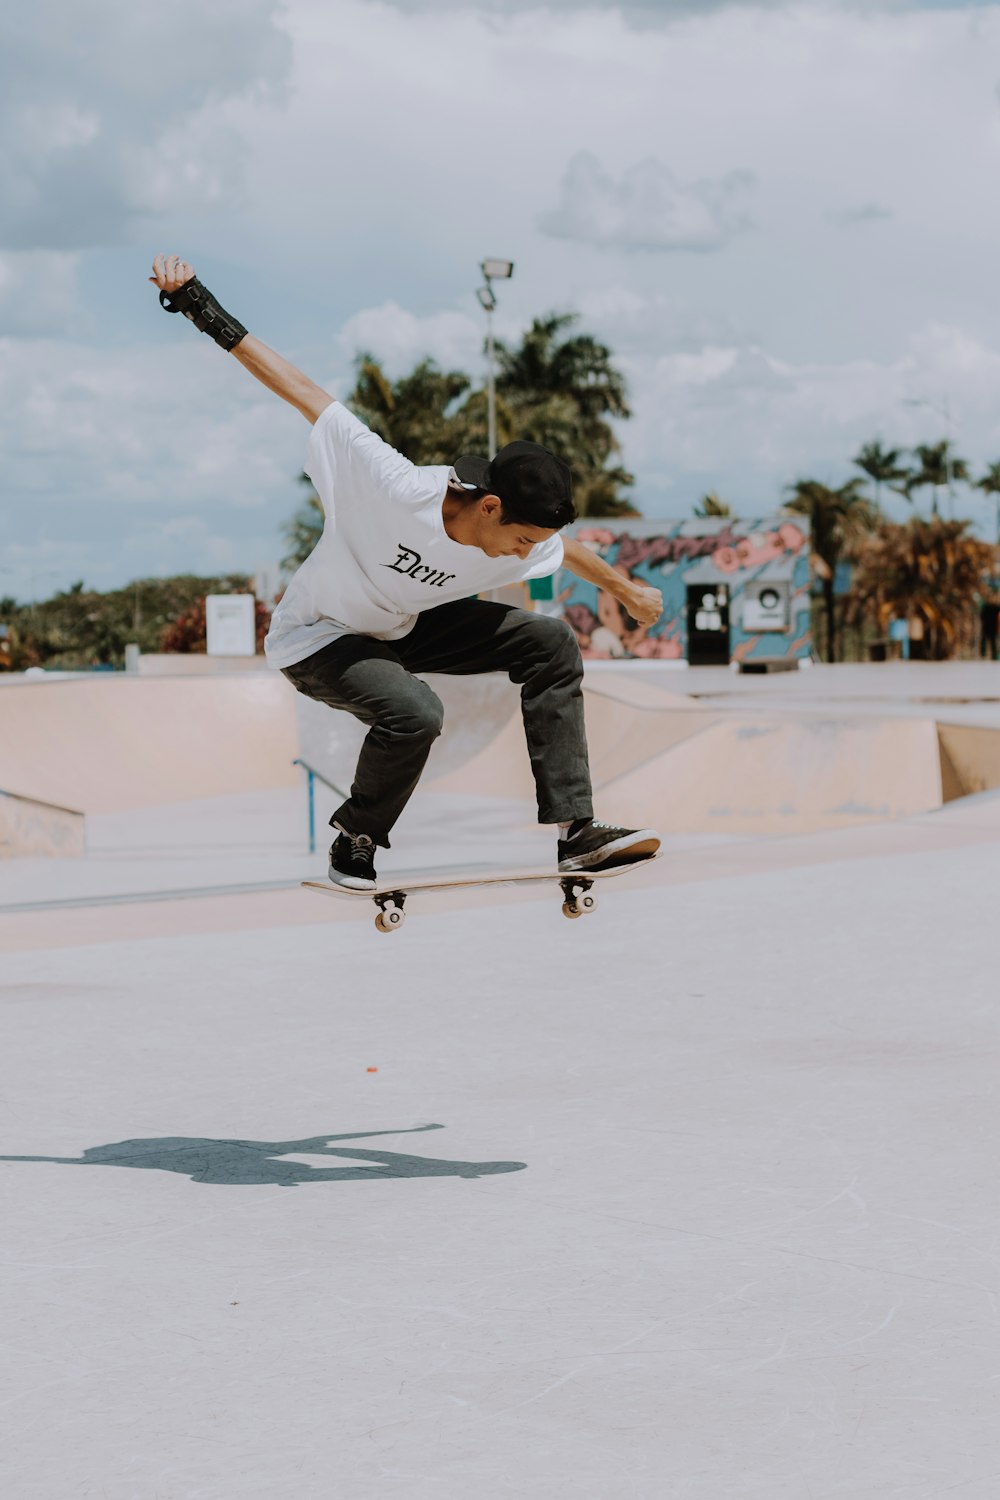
<point x="390" y="894"/>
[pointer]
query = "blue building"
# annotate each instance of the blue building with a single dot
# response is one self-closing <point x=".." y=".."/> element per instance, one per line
<point x="733" y="590"/>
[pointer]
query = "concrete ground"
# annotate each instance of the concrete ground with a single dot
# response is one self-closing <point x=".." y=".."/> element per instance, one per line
<point x="694" y="1198"/>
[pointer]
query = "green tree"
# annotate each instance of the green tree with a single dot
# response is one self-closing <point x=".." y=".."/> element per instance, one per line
<point x="304" y="528"/>
<point x="989" y="483"/>
<point x="560" y="391"/>
<point x="838" y="519"/>
<point x="564" y="392"/>
<point x="882" y="465"/>
<point x="939" y="467"/>
<point x="712" y="505"/>
<point x="929" y="570"/>
<point x="414" y="414"/>
<point x="80" y="627"/>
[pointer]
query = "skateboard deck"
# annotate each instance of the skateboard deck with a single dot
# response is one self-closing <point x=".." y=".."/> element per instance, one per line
<point x="390" y="894"/>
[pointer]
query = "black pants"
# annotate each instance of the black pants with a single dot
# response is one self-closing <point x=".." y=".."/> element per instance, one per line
<point x="374" y="681"/>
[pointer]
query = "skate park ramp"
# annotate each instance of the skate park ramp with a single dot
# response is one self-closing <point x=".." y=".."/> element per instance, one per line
<point x="627" y="720"/>
<point x="482" y="750"/>
<point x="479" y="713"/>
<point x="662" y="759"/>
<point x="981" y="811"/>
<point x="743" y="775"/>
<point x="753" y="776"/>
<point x="28" y="826"/>
<point x="970" y="760"/>
<point x="109" y="744"/>
<point x="114" y="742"/>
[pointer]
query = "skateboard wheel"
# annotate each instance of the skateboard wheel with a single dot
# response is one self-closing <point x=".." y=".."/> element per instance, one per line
<point x="393" y="918"/>
<point x="380" y="923"/>
<point x="588" y="903"/>
<point x="570" y="909"/>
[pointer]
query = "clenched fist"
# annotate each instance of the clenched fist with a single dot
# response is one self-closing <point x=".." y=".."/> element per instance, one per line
<point x="644" y="604"/>
<point x="170" y="272"/>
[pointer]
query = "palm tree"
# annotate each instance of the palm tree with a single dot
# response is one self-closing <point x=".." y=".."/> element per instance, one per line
<point x="938" y="467"/>
<point x="551" y="389"/>
<point x="990" y="485"/>
<point x="882" y="466"/>
<point x="304" y="529"/>
<point x="712" y="504"/>
<point x="931" y="570"/>
<point x="413" y="413"/>
<point x="561" y="392"/>
<point x="838" y="518"/>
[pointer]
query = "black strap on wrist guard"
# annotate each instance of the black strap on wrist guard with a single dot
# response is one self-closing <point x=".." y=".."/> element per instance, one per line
<point x="197" y="303"/>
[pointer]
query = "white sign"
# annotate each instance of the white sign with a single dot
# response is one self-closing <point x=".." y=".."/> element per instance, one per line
<point x="765" y="607"/>
<point x="229" y="624"/>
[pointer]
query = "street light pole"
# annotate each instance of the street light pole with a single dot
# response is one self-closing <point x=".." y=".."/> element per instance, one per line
<point x="493" y="270"/>
<point x="942" y="411"/>
<point x="491" y="386"/>
<point x="948" y="461"/>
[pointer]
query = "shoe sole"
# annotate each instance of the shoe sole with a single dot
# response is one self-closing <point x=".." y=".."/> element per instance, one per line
<point x="351" y="882"/>
<point x="640" y="845"/>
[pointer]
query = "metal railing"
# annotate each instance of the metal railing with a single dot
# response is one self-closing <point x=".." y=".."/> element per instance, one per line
<point x="312" y="777"/>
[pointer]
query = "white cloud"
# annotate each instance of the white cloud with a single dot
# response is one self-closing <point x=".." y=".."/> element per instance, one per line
<point x="744" y="422"/>
<point x="645" y="13"/>
<point x="57" y="127"/>
<point x="861" y="213"/>
<point x="121" y="463"/>
<point x="39" y="293"/>
<point x="648" y="323"/>
<point x="398" y="339"/>
<point x="142" y="426"/>
<point x="105" y="124"/>
<point x="105" y="449"/>
<point x="647" y="208"/>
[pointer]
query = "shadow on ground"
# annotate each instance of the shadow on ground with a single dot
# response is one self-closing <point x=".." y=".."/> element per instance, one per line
<point x="254" y="1163"/>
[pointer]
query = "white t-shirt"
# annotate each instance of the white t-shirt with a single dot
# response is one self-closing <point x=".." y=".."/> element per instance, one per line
<point x="384" y="555"/>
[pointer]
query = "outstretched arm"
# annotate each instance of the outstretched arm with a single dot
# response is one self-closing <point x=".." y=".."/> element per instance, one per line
<point x="172" y="275"/>
<point x="643" y="603"/>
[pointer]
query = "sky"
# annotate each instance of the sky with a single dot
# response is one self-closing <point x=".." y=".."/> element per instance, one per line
<point x="783" y="218"/>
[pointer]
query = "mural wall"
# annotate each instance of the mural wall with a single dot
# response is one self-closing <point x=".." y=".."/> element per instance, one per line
<point x="732" y="590"/>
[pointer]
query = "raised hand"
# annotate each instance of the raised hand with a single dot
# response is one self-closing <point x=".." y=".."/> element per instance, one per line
<point x="170" y="272"/>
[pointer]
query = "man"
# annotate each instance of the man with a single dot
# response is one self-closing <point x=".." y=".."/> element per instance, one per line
<point x="386" y="594"/>
<point x="989" y="623"/>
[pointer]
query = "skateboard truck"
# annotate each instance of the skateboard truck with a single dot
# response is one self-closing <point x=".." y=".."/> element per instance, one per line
<point x="391" y="915"/>
<point x="577" y="902"/>
<point x="576" y="887"/>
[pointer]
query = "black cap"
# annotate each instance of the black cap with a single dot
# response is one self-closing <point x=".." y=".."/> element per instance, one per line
<point x="533" y="484"/>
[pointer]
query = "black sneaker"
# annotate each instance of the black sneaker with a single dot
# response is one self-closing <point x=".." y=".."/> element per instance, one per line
<point x="352" y="862"/>
<point x="598" y="846"/>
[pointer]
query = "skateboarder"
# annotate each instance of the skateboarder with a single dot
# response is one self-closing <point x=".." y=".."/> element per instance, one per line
<point x="387" y="593"/>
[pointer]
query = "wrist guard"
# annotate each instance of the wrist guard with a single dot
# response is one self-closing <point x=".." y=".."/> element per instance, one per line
<point x="197" y="303"/>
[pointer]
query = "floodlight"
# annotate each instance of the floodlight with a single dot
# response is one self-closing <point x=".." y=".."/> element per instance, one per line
<point x="486" y="298"/>
<point x="497" y="270"/>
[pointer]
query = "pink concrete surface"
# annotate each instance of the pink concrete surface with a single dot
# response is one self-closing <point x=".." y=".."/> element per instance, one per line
<point x="629" y="721"/>
<point x="658" y="758"/>
<point x="748" y="775"/>
<point x="28" y="826"/>
<point x="970" y="759"/>
<point x="682" y="863"/>
<point x="108" y="743"/>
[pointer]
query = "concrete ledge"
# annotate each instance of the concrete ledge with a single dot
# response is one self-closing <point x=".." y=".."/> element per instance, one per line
<point x="30" y="826"/>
